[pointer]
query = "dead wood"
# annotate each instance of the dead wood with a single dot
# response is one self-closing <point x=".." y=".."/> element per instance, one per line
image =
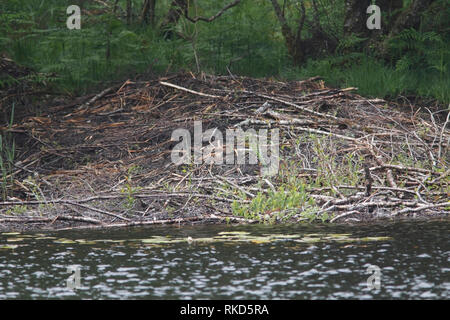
<point x="107" y="162"/>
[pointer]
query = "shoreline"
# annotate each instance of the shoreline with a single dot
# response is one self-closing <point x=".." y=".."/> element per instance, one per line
<point x="64" y="225"/>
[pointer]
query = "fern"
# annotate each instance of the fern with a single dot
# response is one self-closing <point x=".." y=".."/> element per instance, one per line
<point x="420" y="51"/>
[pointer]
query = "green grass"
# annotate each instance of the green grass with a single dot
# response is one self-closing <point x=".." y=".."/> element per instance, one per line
<point x="374" y="78"/>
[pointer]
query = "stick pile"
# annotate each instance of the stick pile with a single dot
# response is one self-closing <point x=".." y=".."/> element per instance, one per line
<point x="105" y="160"/>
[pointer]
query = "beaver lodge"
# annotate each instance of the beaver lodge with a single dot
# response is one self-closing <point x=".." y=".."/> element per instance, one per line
<point x="105" y="160"/>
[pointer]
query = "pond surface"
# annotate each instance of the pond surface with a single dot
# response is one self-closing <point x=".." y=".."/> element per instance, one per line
<point x="230" y="262"/>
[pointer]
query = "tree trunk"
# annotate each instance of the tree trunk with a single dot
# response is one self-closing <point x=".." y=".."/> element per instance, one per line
<point x="148" y="12"/>
<point x="390" y="9"/>
<point x="410" y="18"/>
<point x="152" y="12"/>
<point x="129" y="7"/>
<point x="294" y="43"/>
<point x="356" y="15"/>
<point x="356" y="18"/>
<point x="177" y="9"/>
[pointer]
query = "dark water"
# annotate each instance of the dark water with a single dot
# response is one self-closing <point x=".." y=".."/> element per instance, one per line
<point x="413" y="263"/>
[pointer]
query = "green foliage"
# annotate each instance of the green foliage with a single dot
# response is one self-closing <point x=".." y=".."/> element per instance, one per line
<point x="421" y="52"/>
<point x="129" y="190"/>
<point x="290" y="201"/>
<point x="79" y="60"/>
<point x="255" y="47"/>
<point x="17" y="210"/>
<point x="276" y="206"/>
<point x="375" y="78"/>
<point x="245" y="40"/>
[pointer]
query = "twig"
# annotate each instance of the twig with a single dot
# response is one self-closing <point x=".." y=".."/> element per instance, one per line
<point x="236" y="186"/>
<point x="189" y="90"/>
<point x="97" y="210"/>
<point x="98" y="96"/>
<point x="345" y="214"/>
<point x="322" y="115"/>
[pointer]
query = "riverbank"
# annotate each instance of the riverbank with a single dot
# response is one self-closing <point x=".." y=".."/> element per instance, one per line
<point x="106" y="159"/>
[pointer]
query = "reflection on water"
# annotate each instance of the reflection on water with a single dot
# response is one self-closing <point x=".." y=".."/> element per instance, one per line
<point x="231" y="262"/>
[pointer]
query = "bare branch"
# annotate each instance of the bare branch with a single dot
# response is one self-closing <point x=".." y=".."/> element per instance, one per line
<point x="214" y="17"/>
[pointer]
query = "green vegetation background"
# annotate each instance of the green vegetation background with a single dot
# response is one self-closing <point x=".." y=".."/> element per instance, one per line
<point x="246" y="40"/>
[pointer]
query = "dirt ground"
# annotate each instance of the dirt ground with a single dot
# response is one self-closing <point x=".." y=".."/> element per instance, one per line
<point x="104" y="160"/>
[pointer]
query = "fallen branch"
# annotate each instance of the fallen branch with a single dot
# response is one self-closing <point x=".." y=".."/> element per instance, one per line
<point x="40" y="220"/>
<point x="402" y="168"/>
<point x="431" y="206"/>
<point x="97" y="210"/>
<point x="161" y="222"/>
<point x="189" y="90"/>
<point x="318" y="114"/>
<point x="343" y="215"/>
